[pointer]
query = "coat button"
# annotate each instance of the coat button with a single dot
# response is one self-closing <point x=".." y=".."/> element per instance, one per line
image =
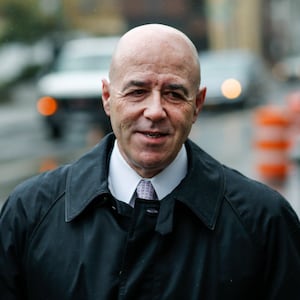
<point x="152" y="211"/>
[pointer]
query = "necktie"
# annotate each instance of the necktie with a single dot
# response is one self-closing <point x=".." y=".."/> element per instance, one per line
<point x="145" y="190"/>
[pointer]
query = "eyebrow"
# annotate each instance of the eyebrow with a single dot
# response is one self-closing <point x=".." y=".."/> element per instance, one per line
<point x="135" y="83"/>
<point x="171" y="86"/>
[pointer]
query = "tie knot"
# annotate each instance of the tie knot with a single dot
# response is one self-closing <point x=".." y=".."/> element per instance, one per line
<point x="145" y="190"/>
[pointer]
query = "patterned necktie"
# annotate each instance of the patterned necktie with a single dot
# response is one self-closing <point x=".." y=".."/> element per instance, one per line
<point x="145" y="190"/>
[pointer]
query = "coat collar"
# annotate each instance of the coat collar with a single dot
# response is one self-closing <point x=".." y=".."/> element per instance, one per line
<point x="88" y="178"/>
<point x="201" y="190"/>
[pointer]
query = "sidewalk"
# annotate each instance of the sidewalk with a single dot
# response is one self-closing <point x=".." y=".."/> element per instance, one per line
<point x="9" y="115"/>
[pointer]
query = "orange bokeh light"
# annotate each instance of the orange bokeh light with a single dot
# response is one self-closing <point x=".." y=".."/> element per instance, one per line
<point x="47" y="106"/>
<point x="231" y="88"/>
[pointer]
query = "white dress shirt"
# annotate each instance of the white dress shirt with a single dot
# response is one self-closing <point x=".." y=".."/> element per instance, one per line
<point x="123" y="180"/>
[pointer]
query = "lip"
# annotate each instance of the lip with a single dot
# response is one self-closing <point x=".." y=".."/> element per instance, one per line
<point x="153" y="136"/>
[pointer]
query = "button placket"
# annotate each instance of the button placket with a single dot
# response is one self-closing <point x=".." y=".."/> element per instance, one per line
<point x="141" y="246"/>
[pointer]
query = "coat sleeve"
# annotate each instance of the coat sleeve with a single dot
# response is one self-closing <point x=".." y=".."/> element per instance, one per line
<point x="20" y="215"/>
<point x="11" y="251"/>
<point x="282" y="253"/>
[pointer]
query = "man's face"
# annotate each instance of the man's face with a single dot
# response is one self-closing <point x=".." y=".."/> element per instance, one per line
<point x="152" y="103"/>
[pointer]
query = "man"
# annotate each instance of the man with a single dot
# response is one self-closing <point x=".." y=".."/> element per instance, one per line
<point x="85" y="231"/>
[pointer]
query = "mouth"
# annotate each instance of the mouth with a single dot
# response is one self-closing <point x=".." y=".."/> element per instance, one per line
<point x="154" y="134"/>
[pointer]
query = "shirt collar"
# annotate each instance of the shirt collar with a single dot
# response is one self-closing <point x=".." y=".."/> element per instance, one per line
<point x="163" y="183"/>
<point x="167" y="180"/>
<point x="118" y="170"/>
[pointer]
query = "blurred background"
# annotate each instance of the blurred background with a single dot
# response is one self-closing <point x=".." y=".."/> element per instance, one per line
<point x="53" y="55"/>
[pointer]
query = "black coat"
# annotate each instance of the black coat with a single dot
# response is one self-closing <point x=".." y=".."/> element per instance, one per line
<point x="218" y="235"/>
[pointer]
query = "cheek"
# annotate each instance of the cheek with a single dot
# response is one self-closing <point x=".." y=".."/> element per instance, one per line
<point x="183" y="116"/>
<point x="121" y="117"/>
<point x="117" y="110"/>
<point x="183" y="122"/>
<point x="115" y="119"/>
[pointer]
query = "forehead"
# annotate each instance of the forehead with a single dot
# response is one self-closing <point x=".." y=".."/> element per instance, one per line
<point x="151" y="78"/>
<point x="160" y="68"/>
<point x="167" y="56"/>
<point x="159" y="52"/>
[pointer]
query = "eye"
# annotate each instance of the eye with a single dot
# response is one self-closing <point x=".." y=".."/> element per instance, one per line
<point x="137" y="92"/>
<point x="174" y="96"/>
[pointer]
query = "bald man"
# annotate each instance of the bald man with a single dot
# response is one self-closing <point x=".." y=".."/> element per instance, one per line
<point x="147" y="214"/>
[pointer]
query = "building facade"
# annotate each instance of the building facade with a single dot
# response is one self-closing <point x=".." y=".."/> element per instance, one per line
<point x="268" y="27"/>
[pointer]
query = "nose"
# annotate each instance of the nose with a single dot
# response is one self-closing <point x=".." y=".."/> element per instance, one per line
<point x="155" y="109"/>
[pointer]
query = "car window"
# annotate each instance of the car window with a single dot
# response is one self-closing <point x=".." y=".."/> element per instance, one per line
<point x="216" y="64"/>
<point x="223" y="66"/>
<point x="83" y="63"/>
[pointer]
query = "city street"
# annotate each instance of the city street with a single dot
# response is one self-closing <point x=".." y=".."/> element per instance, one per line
<point x="25" y="149"/>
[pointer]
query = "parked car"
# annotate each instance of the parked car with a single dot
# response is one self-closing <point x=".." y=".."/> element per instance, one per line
<point x="288" y="68"/>
<point x="70" y="92"/>
<point x="16" y="59"/>
<point x="233" y="77"/>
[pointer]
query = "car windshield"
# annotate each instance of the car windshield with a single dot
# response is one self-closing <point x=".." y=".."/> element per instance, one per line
<point x="83" y="63"/>
<point x="212" y="65"/>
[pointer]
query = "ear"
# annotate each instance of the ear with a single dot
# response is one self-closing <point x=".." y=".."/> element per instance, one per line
<point x="106" y="96"/>
<point x="200" y="98"/>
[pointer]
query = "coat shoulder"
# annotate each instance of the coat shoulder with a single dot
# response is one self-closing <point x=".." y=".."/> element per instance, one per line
<point x="32" y="199"/>
<point x="258" y="206"/>
<point x="240" y="188"/>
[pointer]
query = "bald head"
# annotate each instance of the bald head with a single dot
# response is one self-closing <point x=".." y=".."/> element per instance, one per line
<point x="156" y="42"/>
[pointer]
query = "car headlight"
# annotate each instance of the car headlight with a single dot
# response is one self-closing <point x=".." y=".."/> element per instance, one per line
<point x="47" y="106"/>
<point x="231" y="88"/>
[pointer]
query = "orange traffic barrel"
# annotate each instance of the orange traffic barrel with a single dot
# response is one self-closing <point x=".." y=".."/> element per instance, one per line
<point x="272" y="142"/>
